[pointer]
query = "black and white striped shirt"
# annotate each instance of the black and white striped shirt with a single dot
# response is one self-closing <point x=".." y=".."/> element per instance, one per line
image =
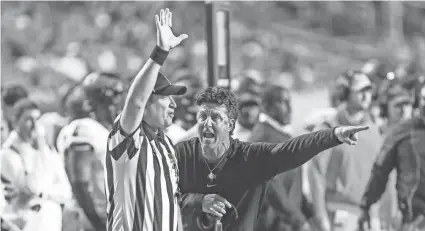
<point x="141" y="179"/>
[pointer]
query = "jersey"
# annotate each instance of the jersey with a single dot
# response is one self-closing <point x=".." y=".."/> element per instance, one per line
<point x="84" y="131"/>
<point x="142" y="181"/>
<point x="90" y="195"/>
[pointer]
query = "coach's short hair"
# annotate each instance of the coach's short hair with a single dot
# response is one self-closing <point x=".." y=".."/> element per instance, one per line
<point x="220" y="96"/>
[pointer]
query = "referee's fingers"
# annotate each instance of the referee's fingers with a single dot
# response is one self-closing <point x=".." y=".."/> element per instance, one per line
<point x="220" y="198"/>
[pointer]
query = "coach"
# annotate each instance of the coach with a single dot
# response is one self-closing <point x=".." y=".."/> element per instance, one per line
<point x="222" y="177"/>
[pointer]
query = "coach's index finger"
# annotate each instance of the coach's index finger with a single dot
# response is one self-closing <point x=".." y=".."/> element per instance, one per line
<point x="220" y="198"/>
<point x="359" y="128"/>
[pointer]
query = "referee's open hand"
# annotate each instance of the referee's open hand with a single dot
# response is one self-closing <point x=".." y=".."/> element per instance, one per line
<point x="348" y="134"/>
<point x="215" y="205"/>
<point x="165" y="37"/>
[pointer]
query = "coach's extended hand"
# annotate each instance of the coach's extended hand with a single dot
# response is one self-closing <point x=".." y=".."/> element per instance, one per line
<point x="165" y="37"/>
<point x="348" y="134"/>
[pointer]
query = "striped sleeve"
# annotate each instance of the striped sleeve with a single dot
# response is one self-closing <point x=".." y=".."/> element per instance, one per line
<point x="125" y="179"/>
<point x="119" y="142"/>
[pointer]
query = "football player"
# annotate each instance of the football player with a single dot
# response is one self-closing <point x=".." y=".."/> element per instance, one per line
<point x="92" y="106"/>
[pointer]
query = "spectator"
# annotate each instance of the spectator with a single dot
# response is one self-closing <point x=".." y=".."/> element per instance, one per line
<point x="249" y="111"/>
<point x="5" y="128"/>
<point x="35" y="179"/>
<point x="284" y="207"/>
<point x="404" y="151"/>
<point x="10" y="95"/>
<point x="339" y="176"/>
<point x="388" y="81"/>
<point x="337" y="96"/>
<point x="248" y="92"/>
<point x="396" y="106"/>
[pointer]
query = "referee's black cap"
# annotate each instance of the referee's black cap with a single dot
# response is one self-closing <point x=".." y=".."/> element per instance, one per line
<point x="163" y="86"/>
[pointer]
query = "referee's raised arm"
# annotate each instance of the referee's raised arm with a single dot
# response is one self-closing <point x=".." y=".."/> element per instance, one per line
<point x="144" y="82"/>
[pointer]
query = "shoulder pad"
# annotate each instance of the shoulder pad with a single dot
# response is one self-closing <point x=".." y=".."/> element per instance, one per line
<point x="83" y="131"/>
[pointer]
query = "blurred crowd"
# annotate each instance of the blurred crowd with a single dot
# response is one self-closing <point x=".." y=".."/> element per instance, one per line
<point x="53" y="100"/>
<point x="370" y="96"/>
<point x="48" y="46"/>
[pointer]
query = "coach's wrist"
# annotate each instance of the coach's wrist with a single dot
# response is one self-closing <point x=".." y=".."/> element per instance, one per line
<point x="338" y="134"/>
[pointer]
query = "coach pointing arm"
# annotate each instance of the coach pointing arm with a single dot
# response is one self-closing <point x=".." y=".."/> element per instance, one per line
<point x="269" y="159"/>
<point x="144" y="82"/>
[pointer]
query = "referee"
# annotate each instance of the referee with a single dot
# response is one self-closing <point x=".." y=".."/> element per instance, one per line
<point x="141" y="174"/>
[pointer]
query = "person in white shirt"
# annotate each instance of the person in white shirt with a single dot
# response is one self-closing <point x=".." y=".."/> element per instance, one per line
<point x="33" y="177"/>
<point x="5" y="128"/>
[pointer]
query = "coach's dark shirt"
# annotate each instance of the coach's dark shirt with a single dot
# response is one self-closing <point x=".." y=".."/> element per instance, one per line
<point x="285" y="207"/>
<point x="247" y="166"/>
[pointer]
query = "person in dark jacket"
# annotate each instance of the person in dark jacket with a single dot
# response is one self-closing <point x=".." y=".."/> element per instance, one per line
<point x="396" y="106"/>
<point x="403" y="150"/>
<point x="219" y="176"/>
<point x="285" y="207"/>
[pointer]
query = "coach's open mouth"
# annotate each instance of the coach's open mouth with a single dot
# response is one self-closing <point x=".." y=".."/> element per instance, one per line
<point x="208" y="136"/>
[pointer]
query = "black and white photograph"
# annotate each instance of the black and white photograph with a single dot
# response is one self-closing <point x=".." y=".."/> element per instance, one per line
<point x="212" y="116"/>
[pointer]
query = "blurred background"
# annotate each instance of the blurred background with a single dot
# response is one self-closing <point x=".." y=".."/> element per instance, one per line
<point x="303" y="45"/>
